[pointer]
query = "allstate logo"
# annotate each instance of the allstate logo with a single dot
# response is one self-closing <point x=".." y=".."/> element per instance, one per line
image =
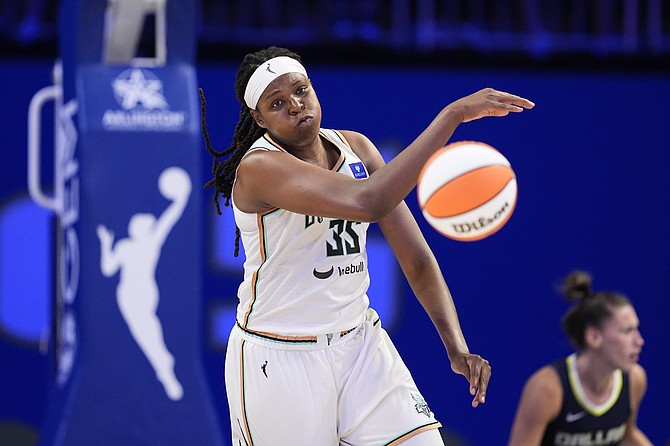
<point x="140" y="94"/>
<point x="135" y="87"/>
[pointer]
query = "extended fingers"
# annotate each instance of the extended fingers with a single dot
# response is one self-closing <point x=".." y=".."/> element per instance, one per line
<point x="513" y="102"/>
<point x="502" y="103"/>
<point x="480" y="375"/>
<point x="491" y="102"/>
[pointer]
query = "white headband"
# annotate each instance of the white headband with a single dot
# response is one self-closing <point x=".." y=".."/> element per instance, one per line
<point x="266" y="73"/>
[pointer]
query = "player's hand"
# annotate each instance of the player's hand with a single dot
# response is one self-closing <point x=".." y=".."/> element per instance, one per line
<point x="489" y="102"/>
<point x="104" y="234"/>
<point x="478" y="373"/>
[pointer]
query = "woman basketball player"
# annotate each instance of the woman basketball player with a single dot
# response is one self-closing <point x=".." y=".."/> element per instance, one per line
<point x="308" y="362"/>
<point x="592" y="396"/>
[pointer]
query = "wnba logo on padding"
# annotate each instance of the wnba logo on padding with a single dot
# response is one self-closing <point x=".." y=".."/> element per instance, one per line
<point x="135" y="259"/>
<point x="144" y="107"/>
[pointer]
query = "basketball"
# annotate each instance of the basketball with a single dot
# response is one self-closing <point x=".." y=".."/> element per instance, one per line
<point x="467" y="190"/>
<point x="174" y="183"/>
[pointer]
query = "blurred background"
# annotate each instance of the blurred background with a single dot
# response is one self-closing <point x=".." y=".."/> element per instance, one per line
<point x="565" y="32"/>
<point x="591" y="159"/>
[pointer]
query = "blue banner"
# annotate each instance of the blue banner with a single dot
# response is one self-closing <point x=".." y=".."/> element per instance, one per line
<point x="127" y="338"/>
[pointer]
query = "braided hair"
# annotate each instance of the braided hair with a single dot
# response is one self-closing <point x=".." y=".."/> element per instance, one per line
<point x="591" y="309"/>
<point x="224" y="164"/>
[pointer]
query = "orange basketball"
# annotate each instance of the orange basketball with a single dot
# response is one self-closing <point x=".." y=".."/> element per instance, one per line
<point x="467" y="190"/>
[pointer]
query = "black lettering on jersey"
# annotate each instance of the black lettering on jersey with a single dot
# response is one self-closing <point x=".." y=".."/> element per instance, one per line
<point x="310" y="220"/>
<point x="345" y="238"/>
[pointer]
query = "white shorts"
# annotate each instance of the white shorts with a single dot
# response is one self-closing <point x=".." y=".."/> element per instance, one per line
<point x="343" y="389"/>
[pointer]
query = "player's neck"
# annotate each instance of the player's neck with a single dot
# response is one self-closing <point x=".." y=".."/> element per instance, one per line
<point x="321" y="153"/>
<point x="595" y="377"/>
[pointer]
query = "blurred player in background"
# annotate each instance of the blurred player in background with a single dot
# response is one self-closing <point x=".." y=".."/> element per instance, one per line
<point x="592" y="397"/>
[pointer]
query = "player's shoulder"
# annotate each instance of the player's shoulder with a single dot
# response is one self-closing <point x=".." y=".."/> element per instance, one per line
<point x="363" y="148"/>
<point x="545" y="382"/>
<point x="546" y="375"/>
<point x="354" y="138"/>
<point x="542" y="395"/>
<point x="638" y="370"/>
<point x="637" y="376"/>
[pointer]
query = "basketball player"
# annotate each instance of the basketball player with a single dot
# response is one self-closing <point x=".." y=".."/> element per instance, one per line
<point x="592" y="396"/>
<point x="308" y="362"/>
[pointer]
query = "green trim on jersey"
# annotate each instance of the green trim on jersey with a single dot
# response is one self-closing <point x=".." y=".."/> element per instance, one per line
<point x="578" y="391"/>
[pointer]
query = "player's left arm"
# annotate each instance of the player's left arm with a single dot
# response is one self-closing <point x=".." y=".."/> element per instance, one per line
<point x="638" y="387"/>
<point x="174" y="211"/>
<point x="109" y="258"/>
<point x="423" y="273"/>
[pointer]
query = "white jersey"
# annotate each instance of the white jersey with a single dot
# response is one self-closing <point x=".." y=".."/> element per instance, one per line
<point x="303" y="275"/>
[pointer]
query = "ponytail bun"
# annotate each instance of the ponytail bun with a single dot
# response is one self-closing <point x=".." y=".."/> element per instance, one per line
<point x="577" y="286"/>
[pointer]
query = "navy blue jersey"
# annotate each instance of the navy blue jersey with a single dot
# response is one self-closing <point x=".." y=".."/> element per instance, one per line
<point x="580" y="421"/>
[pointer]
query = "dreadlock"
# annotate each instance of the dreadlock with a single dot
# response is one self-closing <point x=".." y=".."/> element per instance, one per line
<point x="224" y="164"/>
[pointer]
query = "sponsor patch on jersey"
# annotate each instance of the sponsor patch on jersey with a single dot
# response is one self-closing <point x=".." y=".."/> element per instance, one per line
<point x="323" y="274"/>
<point x="358" y="169"/>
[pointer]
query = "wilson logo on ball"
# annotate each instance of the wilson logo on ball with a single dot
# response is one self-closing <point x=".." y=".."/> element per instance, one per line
<point x="467" y="190"/>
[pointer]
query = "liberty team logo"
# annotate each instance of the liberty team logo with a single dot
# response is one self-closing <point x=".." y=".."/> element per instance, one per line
<point x="139" y="93"/>
<point x="135" y="259"/>
<point x="421" y="406"/>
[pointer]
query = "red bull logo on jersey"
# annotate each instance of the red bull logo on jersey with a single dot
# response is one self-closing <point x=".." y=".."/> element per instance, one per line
<point x="351" y="269"/>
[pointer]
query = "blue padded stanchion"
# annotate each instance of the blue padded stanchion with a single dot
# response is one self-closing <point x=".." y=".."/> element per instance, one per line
<point x="127" y="332"/>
